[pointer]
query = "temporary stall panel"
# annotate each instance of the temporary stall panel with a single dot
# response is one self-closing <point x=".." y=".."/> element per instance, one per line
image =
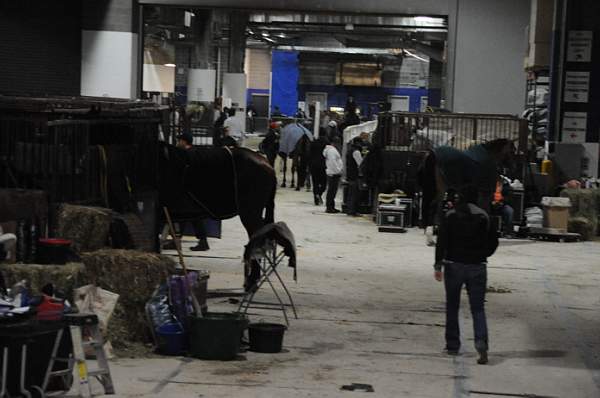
<point x="159" y="78"/>
<point x="201" y="85"/>
<point x="234" y="87"/>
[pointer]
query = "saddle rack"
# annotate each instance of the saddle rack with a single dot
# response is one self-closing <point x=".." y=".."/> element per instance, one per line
<point x="269" y="247"/>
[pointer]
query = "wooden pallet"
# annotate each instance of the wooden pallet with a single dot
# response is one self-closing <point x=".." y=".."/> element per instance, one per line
<point x="553" y="235"/>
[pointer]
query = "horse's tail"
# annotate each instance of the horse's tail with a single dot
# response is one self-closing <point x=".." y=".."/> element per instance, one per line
<point x="270" y="207"/>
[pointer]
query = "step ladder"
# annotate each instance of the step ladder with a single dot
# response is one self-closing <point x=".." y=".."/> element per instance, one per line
<point x="76" y="324"/>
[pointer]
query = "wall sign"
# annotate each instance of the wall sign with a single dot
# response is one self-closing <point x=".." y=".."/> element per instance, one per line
<point x="579" y="48"/>
<point x="574" y="127"/>
<point x="577" y="86"/>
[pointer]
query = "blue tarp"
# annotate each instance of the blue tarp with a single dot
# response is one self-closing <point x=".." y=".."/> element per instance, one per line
<point x="284" y="93"/>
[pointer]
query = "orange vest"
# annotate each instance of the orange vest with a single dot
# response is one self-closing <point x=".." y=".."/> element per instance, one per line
<point x="498" y="198"/>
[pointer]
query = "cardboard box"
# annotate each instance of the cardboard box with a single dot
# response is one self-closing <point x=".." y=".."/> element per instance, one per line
<point x="541" y="20"/>
<point x="556" y="217"/>
<point x="539" y="55"/>
<point x="556" y="212"/>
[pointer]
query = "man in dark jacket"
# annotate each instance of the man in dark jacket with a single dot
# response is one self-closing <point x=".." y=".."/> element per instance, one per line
<point x="466" y="239"/>
<point x="354" y="160"/>
<point x="185" y="141"/>
<point x="317" y="166"/>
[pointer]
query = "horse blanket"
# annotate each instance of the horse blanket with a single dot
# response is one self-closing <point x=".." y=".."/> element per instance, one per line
<point x="473" y="166"/>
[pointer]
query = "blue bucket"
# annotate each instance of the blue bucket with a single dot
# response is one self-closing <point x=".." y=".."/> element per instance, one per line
<point x="171" y="339"/>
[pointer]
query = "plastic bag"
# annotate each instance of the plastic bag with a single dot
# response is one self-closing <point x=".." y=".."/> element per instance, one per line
<point x="158" y="309"/>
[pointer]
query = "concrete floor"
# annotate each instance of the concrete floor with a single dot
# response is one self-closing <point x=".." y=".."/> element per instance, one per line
<point x="370" y="312"/>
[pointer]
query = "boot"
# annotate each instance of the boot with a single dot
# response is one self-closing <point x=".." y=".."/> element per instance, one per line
<point x="483" y="358"/>
<point x="202" y="246"/>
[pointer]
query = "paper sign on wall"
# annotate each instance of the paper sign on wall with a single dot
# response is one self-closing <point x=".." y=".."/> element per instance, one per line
<point x="579" y="48"/>
<point x="574" y="127"/>
<point x="577" y="86"/>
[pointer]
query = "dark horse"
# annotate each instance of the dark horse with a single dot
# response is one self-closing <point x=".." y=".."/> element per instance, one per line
<point x="447" y="168"/>
<point x="219" y="183"/>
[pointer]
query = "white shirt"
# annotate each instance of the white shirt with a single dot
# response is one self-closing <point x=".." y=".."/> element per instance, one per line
<point x="234" y="128"/>
<point x="333" y="161"/>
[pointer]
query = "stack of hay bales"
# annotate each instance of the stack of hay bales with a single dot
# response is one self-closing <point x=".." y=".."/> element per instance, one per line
<point x="134" y="276"/>
<point x="65" y="277"/>
<point x="88" y="227"/>
<point x="585" y="211"/>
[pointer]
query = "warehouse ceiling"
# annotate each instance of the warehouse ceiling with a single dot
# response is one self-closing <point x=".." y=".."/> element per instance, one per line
<point x="340" y="34"/>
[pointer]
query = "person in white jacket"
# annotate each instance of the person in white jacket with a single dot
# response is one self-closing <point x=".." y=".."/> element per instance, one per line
<point x="7" y="244"/>
<point x="334" y="169"/>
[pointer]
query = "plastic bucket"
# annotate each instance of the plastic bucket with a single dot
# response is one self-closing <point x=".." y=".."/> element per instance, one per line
<point x="53" y="251"/>
<point x="216" y="336"/>
<point x="171" y="339"/>
<point x="266" y="337"/>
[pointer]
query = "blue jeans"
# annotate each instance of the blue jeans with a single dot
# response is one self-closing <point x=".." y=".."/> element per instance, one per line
<point x="507" y="213"/>
<point x="474" y="277"/>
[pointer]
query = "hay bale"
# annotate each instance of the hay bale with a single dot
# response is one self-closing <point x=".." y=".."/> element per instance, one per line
<point x="65" y="277"/>
<point x="585" y="205"/>
<point x="133" y="276"/>
<point x="582" y="226"/>
<point x="88" y="227"/>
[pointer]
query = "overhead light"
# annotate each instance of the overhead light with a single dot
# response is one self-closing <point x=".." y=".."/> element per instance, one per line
<point x="265" y="34"/>
<point x="171" y="65"/>
<point x="415" y="56"/>
<point x="270" y="40"/>
<point x="282" y="35"/>
<point x="426" y="19"/>
<point x="251" y="31"/>
<point x="349" y="26"/>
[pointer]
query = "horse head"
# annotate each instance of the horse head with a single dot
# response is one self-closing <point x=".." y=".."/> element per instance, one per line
<point x="503" y="151"/>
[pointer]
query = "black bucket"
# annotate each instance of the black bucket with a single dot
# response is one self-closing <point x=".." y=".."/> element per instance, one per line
<point x="217" y="335"/>
<point x="266" y="337"/>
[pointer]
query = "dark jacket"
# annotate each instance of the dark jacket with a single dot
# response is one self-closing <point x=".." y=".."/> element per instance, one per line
<point x="316" y="159"/>
<point x="352" y="171"/>
<point x="466" y="237"/>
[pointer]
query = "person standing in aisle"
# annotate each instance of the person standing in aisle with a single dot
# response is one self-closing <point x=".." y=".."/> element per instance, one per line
<point x="354" y="159"/>
<point x="318" y="166"/>
<point x="466" y="239"/>
<point x="185" y="141"/>
<point x="334" y="167"/>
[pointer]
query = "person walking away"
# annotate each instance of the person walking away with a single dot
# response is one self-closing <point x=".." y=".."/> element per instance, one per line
<point x="466" y="239"/>
<point x="270" y="144"/>
<point x="354" y="160"/>
<point x="317" y="166"/>
<point x="185" y="141"/>
<point x="500" y="206"/>
<point x="233" y="128"/>
<point x="333" y="168"/>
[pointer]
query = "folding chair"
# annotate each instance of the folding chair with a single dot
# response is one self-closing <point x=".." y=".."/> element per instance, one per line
<point x="269" y="256"/>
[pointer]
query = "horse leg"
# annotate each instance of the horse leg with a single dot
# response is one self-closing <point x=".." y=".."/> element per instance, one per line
<point x="294" y="171"/>
<point x="252" y="221"/>
<point x="284" y="159"/>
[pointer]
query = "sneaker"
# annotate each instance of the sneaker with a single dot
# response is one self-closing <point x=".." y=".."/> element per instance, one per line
<point x="202" y="246"/>
<point x="483" y="358"/>
<point x="332" y="211"/>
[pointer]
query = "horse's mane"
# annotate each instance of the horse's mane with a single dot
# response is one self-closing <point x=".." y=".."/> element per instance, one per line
<point x="497" y="145"/>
